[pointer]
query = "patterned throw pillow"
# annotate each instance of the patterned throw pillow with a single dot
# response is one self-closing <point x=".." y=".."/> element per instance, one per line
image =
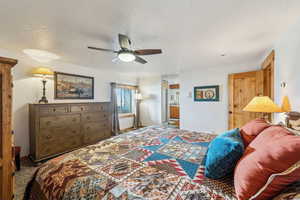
<point x="223" y="154"/>
<point x="270" y="163"/>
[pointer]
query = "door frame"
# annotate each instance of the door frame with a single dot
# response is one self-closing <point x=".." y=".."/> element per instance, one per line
<point x="270" y="62"/>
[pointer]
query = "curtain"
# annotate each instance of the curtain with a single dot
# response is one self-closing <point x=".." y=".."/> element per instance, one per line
<point x="115" y="115"/>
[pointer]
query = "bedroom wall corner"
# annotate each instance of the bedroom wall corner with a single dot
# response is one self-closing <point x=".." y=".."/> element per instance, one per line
<point x="150" y="88"/>
<point x="287" y="68"/>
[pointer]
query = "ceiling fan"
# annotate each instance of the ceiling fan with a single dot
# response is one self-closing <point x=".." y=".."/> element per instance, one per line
<point x="126" y="54"/>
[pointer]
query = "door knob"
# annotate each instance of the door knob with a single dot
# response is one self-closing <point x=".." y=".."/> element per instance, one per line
<point x="230" y="112"/>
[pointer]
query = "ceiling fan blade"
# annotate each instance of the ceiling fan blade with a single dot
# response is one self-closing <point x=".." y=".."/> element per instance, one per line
<point x="101" y="49"/>
<point x="140" y="60"/>
<point x="124" y="41"/>
<point x="145" y="52"/>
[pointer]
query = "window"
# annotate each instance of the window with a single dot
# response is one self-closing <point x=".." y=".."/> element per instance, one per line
<point x="125" y="100"/>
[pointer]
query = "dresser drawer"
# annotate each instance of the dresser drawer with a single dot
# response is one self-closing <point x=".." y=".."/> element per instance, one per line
<point x="46" y="110"/>
<point x="58" y="140"/>
<point x="95" y="126"/>
<point x="79" y="108"/>
<point x="96" y="136"/>
<point x="59" y="120"/>
<point x="95" y="131"/>
<point x="58" y="146"/>
<point x="99" y="107"/>
<point x="89" y="107"/>
<point x="94" y="117"/>
<point x="64" y="133"/>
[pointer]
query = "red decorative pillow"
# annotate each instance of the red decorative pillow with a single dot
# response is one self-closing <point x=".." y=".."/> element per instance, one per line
<point x="252" y="129"/>
<point x="269" y="164"/>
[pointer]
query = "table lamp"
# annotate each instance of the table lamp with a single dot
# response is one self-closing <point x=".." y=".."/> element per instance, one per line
<point x="44" y="73"/>
<point x="286" y="105"/>
<point x="286" y="108"/>
<point x="262" y="104"/>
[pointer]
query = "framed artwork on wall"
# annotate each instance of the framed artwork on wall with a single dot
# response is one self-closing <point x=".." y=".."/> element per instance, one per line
<point x="72" y="86"/>
<point x="206" y="93"/>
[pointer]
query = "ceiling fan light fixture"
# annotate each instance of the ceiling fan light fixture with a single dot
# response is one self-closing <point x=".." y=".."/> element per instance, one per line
<point x="126" y="56"/>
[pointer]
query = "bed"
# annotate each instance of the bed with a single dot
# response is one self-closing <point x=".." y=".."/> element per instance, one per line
<point x="154" y="163"/>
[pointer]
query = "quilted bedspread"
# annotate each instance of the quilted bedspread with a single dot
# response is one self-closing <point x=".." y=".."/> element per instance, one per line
<point x="150" y="163"/>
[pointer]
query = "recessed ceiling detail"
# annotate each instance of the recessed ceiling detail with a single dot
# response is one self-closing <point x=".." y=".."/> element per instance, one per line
<point x="41" y="55"/>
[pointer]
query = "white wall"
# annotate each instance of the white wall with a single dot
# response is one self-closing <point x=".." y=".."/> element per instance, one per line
<point x="150" y="88"/>
<point x="287" y="67"/>
<point x="206" y="116"/>
<point x="27" y="89"/>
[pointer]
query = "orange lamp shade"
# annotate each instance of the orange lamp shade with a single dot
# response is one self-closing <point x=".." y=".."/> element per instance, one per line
<point x="286" y="106"/>
<point x="42" y="71"/>
<point x="262" y="104"/>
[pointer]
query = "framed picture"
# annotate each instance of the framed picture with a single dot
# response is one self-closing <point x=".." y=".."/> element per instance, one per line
<point x="207" y="93"/>
<point x="71" y="86"/>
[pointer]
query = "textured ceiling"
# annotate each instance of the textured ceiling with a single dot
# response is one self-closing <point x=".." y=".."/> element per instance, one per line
<point x="191" y="33"/>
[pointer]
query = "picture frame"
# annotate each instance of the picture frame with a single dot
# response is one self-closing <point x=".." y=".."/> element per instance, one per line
<point x="207" y="93"/>
<point x="73" y="86"/>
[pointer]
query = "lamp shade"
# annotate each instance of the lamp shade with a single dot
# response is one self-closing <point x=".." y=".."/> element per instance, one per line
<point x="42" y="71"/>
<point x="286" y="106"/>
<point x="262" y="104"/>
<point x="139" y="96"/>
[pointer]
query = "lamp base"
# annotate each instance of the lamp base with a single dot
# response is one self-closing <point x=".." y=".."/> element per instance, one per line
<point x="43" y="100"/>
<point x="266" y="117"/>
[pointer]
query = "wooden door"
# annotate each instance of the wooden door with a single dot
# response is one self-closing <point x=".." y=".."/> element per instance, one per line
<point x="6" y="158"/>
<point x="242" y="88"/>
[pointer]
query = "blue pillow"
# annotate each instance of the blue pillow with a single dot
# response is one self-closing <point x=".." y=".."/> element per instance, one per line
<point x="223" y="154"/>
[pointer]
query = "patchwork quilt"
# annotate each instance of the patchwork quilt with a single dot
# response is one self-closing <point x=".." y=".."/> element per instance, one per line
<point x="154" y="163"/>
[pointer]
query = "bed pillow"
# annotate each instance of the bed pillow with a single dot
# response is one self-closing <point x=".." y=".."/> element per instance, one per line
<point x="269" y="164"/>
<point x="223" y="154"/>
<point x="252" y="129"/>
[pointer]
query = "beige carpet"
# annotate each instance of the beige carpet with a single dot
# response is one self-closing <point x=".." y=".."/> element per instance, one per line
<point x="23" y="177"/>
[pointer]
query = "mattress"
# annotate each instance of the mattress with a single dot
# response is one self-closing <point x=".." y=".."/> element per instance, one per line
<point x="154" y="163"/>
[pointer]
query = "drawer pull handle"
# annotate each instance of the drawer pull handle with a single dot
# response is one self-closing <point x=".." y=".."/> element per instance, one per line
<point x="48" y="137"/>
<point x="74" y="119"/>
<point x="54" y="109"/>
<point x="81" y="108"/>
<point x="48" y="123"/>
<point x="73" y="131"/>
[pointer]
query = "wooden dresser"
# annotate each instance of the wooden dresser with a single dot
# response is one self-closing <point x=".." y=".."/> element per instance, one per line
<point x="59" y="128"/>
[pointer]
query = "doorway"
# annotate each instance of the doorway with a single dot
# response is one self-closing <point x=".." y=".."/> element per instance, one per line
<point x="171" y="101"/>
<point x="173" y="104"/>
